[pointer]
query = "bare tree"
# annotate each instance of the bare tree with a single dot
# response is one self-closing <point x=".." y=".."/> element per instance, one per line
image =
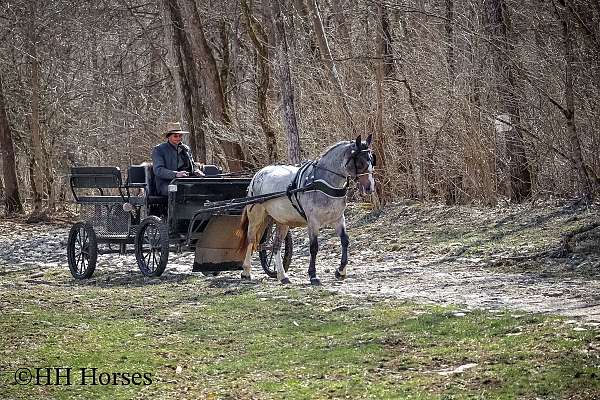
<point x="499" y="25"/>
<point x="287" y="89"/>
<point x="204" y="56"/>
<point x="568" y="36"/>
<point x="12" y="200"/>
<point x="173" y="26"/>
<point x="260" y="40"/>
<point x="37" y="155"/>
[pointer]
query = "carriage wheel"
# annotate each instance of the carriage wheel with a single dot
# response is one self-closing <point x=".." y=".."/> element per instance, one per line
<point x="266" y="251"/>
<point x="82" y="250"/>
<point x="152" y="246"/>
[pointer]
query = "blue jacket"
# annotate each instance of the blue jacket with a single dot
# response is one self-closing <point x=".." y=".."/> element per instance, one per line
<point x="165" y="163"/>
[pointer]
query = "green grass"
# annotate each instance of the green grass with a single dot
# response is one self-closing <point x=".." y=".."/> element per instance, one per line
<point x="264" y="341"/>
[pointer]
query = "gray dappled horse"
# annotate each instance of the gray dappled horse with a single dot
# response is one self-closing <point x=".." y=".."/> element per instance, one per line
<point x="320" y="201"/>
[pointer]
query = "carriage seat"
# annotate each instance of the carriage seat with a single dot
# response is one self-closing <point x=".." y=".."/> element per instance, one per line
<point x="142" y="176"/>
<point x="100" y="178"/>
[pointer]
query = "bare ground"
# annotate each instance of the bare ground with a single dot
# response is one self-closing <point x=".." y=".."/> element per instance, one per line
<point x="490" y="258"/>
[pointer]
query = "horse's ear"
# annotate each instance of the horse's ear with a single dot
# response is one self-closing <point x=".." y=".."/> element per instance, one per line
<point x="358" y="142"/>
<point x="369" y="140"/>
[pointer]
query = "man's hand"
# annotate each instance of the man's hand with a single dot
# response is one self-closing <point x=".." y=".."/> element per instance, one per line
<point x="181" y="174"/>
<point x="198" y="173"/>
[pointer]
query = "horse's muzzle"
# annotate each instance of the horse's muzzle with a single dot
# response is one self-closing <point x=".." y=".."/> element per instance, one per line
<point x="366" y="183"/>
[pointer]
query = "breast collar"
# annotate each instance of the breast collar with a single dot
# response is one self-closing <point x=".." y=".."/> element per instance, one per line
<point x="305" y="181"/>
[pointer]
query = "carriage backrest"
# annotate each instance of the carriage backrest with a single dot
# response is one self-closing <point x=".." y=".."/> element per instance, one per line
<point x="95" y="177"/>
<point x="142" y="176"/>
<point x="211" y="170"/>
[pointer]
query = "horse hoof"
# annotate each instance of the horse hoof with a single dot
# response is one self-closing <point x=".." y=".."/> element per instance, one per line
<point x="285" y="281"/>
<point x="339" y="276"/>
<point x="245" y="278"/>
<point x="315" y="281"/>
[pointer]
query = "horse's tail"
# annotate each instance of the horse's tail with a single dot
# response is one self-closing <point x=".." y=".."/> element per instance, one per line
<point x="242" y="232"/>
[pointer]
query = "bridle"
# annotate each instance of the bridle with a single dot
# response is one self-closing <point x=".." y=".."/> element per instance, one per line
<point x="358" y="152"/>
<point x="355" y="155"/>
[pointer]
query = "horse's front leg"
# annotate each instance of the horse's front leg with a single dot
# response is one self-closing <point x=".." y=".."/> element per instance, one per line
<point x="313" y="232"/>
<point x="340" y="273"/>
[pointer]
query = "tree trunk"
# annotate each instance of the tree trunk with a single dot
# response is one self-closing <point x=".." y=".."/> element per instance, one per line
<point x="12" y="200"/>
<point x="450" y="59"/>
<point x="452" y="172"/>
<point x="569" y="113"/>
<point x="286" y="87"/>
<point x="173" y="28"/>
<point x="204" y="56"/>
<point x="224" y="31"/>
<point x="498" y="25"/>
<point x="328" y="60"/>
<point x="302" y="10"/>
<point x="344" y="26"/>
<point x="37" y="154"/>
<point x="260" y="41"/>
<point x="383" y="69"/>
<point x="208" y="65"/>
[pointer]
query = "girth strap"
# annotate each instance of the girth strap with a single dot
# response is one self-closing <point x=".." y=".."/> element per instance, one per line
<point x="292" y="190"/>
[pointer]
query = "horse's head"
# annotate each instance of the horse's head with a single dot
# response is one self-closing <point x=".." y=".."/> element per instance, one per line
<point x="360" y="164"/>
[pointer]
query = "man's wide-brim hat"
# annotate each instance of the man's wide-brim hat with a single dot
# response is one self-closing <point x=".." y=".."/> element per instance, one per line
<point x="174" y="127"/>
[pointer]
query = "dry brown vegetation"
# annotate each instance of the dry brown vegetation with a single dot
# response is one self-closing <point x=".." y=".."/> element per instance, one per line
<point x="469" y="101"/>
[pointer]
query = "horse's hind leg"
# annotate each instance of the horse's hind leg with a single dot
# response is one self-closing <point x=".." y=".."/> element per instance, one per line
<point x="314" y="249"/>
<point x="340" y="273"/>
<point x="256" y="223"/>
<point x="280" y="234"/>
<point x="246" y="274"/>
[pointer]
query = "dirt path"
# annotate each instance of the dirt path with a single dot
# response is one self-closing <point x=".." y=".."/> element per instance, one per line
<point x="475" y="258"/>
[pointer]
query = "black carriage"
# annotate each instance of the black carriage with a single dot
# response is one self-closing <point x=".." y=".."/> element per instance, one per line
<point x="200" y="214"/>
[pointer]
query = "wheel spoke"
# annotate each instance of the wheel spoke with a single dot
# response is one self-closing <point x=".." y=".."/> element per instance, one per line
<point x="154" y="262"/>
<point x="147" y="258"/>
<point x="270" y="259"/>
<point x="78" y="237"/>
<point x="146" y="240"/>
<point x="78" y="262"/>
<point x="155" y="237"/>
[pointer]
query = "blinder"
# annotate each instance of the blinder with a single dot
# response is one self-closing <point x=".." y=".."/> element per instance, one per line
<point x="357" y="154"/>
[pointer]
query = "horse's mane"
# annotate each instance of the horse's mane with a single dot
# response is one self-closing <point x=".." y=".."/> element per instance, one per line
<point x="333" y="146"/>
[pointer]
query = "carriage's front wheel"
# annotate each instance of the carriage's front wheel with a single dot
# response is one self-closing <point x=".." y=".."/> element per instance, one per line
<point x="266" y="251"/>
<point x="152" y="246"/>
<point x="82" y="250"/>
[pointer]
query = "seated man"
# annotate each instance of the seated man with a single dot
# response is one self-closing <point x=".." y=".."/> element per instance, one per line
<point x="172" y="159"/>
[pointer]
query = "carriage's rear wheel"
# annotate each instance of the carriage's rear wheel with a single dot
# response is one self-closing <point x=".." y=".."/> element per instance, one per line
<point x="82" y="250"/>
<point x="266" y="251"/>
<point x="152" y="246"/>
